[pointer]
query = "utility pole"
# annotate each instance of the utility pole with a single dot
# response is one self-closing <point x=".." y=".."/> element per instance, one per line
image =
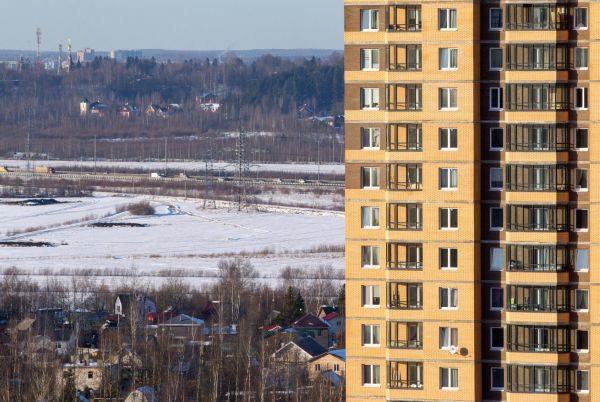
<point x="165" y="156"/>
<point x="95" y="155"/>
<point x="242" y="167"/>
<point x="209" y="198"/>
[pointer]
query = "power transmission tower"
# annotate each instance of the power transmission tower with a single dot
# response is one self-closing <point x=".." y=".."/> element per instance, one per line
<point x="209" y="198"/>
<point x="38" y="55"/>
<point x="243" y="167"/>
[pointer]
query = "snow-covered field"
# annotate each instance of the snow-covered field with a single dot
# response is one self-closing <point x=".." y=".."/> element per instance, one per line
<point x="181" y="239"/>
<point x="188" y="166"/>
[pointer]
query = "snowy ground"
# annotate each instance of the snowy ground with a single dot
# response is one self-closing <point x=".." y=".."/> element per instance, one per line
<point x="188" y="166"/>
<point x="181" y="239"/>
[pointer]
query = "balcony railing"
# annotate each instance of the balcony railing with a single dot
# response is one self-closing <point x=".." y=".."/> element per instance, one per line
<point x="405" y="265"/>
<point x="397" y="344"/>
<point x="404" y="384"/>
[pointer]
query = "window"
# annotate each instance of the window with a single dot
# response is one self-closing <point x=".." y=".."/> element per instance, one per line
<point x="370" y="375"/>
<point x="495" y="179"/>
<point x="497" y="379"/>
<point x="495" y="19"/>
<point x="369" y="217"/>
<point x="496" y="138"/>
<point x="448" y="218"/>
<point x="90" y="374"/>
<point x="448" y="139"/>
<point x="496" y="58"/>
<point x="581" y="180"/>
<point x="496" y="299"/>
<point x="448" y="58"/>
<point x="582" y="341"/>
<point x="496" y="218"/>
<point x="448" y="378"/>
<point x="370" y="335"/>
<point x="581" y="18"/>
<point x="336" y="367"/>
<point x="581" y="58"/>
<point x="447" y="19"/>
<point x="583" y="381"/>
<point x="497" y="338"/>
<point x="496" y="100"/>
<point x="369" y="98"/>
<point x="448" y="179"/>
<point x="370" y="256"/>
<point x="448" y="337"/>
<point x="581" y="98"/>
<point x="369" y="59"/>
<point x="581" y="260"/>
<point x="369" y="138"/>
<point x="317" y="367"/>
<point x="581" y="300"/>
<point x="370" y="296"/>
<point x="448" y="298"/>
<point x="496" y="259"/>
<point x="369" y="20"/>
<point x="581" y="139"/>
<point x="370" y="177"/>
<point x="581" y="220"/>
<point x="448" y="98"/>
<point x="448" y="258"/>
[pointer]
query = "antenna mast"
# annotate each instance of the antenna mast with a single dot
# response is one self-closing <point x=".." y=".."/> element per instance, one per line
<point x="60" y="50"/>
<point x="38" y="56"/>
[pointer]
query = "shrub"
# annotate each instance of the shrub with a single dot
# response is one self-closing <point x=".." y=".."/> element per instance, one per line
<point x="138" y="208"/>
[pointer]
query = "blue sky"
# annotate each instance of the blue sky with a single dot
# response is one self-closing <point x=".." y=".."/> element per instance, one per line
<point x="173" y="24"/>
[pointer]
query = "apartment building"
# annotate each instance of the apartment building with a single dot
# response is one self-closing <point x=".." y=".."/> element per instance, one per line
<point x="470" y="208"/>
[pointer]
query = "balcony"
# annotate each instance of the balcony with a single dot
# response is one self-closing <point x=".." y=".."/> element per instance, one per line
<point x="403" y="256"/>
<point x="544" y="299"/>
<point x="404" y="137"/>
<point x="536" y="178"/>
<point x="404" y="57"/>
<point x="530" y="258"/>
<point x="404" y="375"/>
<point x="404" y="216"/>
<point x="404" y="18"/>
<point x="403" y="97"/>
<point x="537" y="218"/>
<point x="537" y="138"/>
<point x="404" y="177"/>
<point x="536" y="17"/>
<point x="404" y="296"/>
<point x="404" y="335"/>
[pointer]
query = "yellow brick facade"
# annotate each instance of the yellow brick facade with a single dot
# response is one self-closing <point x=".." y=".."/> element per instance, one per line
<point x="546" y="348"/>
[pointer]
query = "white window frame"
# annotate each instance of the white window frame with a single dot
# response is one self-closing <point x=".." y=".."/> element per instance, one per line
<point x="492" y="387"/>
<point x="448" y="12"/>
<point x="453" y="334"/>
<point x="491" y="28"/>
<point x="371" y="28"/>
<point x="372" y="371"/>
<point x="370" y="98"/>
<point x="496" y="170"/>
<point x="449" y="222"/>
<point x="580" y="189"/>
<point x="446" y="132"/>
<point x="492" y="307"/>
<point x="374" y="176"/>
<point x="492" y="130"/>
<point x="448" y="174"/>
<point x="371" y="132"/>
<point x="369" y="343"/>
<point x="448" y="261"/>
<point x="577" y="348"/>
<point x="375" y="212"/>
<point x="496" y="228"/>
<point x="493" y="68"/>
<point x="582" y="391"/>
<point x="367" y="295"/>
<point x="496" y="93"/>
<point x="587" y="138"/>
<point x="371" y="251"/>
<point x="587" y="58"/>
<point x="584" y="98"/>
<point x="581" y="292"/>
<point x="492" y="347"/>
<point x="449" y="67"/>
<point x="492" y="268"/>
<point x="373" y="57"/>
<point x="587" y="220"/>
<point x="447" y="374"/>
<point x="587" y="19"/>
<point x="451" y="294"/>
<point x="446" y="94"/>
<point x="587" y="260"/>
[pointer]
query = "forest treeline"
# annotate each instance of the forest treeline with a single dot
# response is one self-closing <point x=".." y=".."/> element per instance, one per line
<point x="270" y="98"/>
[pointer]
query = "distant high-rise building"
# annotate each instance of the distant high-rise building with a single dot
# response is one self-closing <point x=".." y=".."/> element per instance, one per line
<point x="123" y="55"/>
<point x="470" y="236"/>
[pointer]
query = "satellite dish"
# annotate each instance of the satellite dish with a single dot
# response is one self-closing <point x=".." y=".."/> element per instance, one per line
<point x="453" y="350"/>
